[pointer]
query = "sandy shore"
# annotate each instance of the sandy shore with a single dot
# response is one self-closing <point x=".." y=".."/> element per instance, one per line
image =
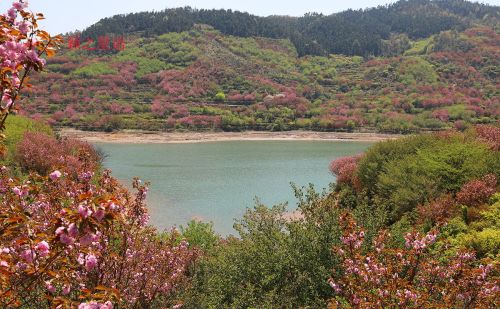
<point x="144" y="137"/>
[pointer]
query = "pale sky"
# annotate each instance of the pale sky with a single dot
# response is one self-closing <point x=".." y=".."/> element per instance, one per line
<point x="69" y="15"/>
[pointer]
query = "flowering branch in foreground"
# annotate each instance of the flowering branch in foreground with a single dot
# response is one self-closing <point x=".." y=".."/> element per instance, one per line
<point x="417" y="276"/>
<point x="22" y="46"/>
<point x="76" y="237"/>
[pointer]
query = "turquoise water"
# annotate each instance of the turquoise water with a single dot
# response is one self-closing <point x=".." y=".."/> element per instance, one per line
<point x="218" y="181"/>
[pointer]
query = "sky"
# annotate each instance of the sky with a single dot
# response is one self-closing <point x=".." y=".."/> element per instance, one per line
<point x="69" y="15"/>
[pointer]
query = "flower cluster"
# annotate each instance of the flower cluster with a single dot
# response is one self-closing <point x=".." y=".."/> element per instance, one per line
<point x="489" y="134"/>
<point x="412" y="277"/>
<point x="21" y="49"/>
<point x="345" y="169"/>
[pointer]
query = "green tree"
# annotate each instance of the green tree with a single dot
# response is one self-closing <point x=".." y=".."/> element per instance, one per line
<point x="220" y="97"/>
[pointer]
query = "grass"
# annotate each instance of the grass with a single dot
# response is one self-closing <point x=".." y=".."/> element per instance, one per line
<point x="16" y="126"/>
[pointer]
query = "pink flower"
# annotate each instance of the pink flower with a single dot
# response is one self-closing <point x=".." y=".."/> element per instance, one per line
<point x="72" y="230"/>
<point x="84" y="211"/>
<point x="81" y="259"/>
<point x="60" y="230"/>
<point x="65" y="239"/>
<point x="24" y="27"/>
<point x="90" y="262"/>
<point x="17" y="191"/>
<point x="12" y="14"/>
<point x="28" y="255"/>
<point x="43" y="248"/>
<point x="95" y="305"/>
<point x="50" y="287"/>
<point x="6" y="99"/>
<point x="99" y="214"/>
<point x="66" y="289"/>
<point x="20" y="5"/>
<point x="4" y="264"/>
<point x="34" y="57"/>
<point x="107" y="305"/>
<point x="55" y="175"/>
<point x="87" y="239"/>
<point x="334" y="286"/>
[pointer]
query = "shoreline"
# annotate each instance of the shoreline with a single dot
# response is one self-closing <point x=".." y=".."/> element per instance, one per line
<point x="147" y="137"/>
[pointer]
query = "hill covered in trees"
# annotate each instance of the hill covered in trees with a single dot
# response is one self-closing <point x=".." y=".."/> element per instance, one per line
<point x="432" y="65"/>
<point x="350" y="32"/>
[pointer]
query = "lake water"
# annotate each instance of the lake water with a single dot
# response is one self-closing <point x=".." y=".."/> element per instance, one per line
<point x="217" y="181"/>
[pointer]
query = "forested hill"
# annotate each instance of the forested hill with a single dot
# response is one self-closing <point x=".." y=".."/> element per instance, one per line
<point x="350" y="32"/>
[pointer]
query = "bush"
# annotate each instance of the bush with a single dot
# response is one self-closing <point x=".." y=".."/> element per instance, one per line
<point x="276" y="263"/>
<point x="416" y="70"/>
<point x="345" y="169"/>
<point x="417" y="275"/>
<point x="73" y="241"/>
<point x="200" y="235"/>
<point x="484" y="243"/>
<point x="477" y="192"/>
<point x="220" y="97"/>
<point x="42" y="153"/>
<point x="490" y="135"/>
<point x="402" y="174"/>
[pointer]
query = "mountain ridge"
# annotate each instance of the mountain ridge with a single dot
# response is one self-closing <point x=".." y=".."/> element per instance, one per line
<point x="351" y="32"/>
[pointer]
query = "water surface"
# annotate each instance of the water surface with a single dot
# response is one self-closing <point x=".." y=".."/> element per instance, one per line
<point x="217" y="181"/>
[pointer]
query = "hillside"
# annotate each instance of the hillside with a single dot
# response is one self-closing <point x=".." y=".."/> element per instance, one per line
<point x="350" y="32"/>
<point x="203" y="79"/>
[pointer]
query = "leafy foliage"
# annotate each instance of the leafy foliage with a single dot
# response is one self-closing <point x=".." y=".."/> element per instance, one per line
<point x="404" y="173"/>
<point x="16" y="126"/>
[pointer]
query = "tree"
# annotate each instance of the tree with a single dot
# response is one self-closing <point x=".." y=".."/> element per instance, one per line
<point x="21" y="49"/>
<point x="412" y="277"/>
<point x="70" y="235"/>
<point x="220" y="97"/>
<point x="395" y="45"/>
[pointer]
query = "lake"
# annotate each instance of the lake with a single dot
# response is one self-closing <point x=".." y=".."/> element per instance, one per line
<point x="217" y="181"/>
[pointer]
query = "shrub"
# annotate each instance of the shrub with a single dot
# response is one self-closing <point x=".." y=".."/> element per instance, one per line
<point x="275" y="263"/>
<point x="402" y="174"/>
<point x="484" y="243"/>
<point x="414" y="276"/>
<point x="42" y="153"/>
<point x="200" y="235"/>
<point x="68" y="241"/>
<point x="345" y="169"/>
<point x="489" y="134"/>
<point x="416" y="70"/>
<point x="438" y="211"/>
<point x="220" y="97"/>
<point x="478" y="191"/>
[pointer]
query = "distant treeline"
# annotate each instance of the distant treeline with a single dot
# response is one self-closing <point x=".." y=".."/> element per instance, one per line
<point x="350" y="32"/>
